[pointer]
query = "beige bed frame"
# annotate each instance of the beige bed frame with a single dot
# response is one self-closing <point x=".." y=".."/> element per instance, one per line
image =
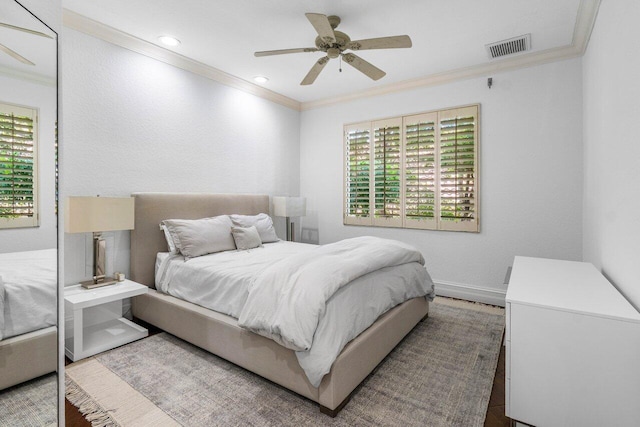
<point x="28" y="356"/>
<point x="221" y="335"/>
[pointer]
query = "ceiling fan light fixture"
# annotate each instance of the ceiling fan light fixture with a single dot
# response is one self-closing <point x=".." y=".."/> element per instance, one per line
<point x="333" y="52"/>
<point x="169" y="41"/>
<point x="260" y="79"/>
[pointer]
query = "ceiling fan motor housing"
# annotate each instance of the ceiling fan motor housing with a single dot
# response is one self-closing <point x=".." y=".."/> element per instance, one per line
<point x="341" y="43"/>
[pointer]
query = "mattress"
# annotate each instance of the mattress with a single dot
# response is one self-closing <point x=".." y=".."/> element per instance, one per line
<point x="220" y="282"/>
<point x="28" y="281"/>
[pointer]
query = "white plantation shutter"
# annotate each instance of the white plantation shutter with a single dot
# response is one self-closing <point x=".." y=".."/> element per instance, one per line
<point x="420" y="171"/>
<point x="387" y="170"/>
<point x="18" y="171"/>
<point x="357" y="202"/>
<point x="458" y="160"/>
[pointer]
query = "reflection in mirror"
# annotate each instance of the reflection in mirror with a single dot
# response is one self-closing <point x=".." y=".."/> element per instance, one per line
<point x="28" y="218"/>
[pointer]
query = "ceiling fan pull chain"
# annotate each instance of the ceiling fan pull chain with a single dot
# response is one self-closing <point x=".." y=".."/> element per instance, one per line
<point x="340" y="67"/>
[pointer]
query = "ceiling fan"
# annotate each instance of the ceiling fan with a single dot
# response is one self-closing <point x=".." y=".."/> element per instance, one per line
<point x="15" y="54"/>
<point x="334" y="43"/>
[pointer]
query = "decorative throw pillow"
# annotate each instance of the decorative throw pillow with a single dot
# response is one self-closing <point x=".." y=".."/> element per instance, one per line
<point x="196" y="237"/>
<point x="262" y="222"/>
<point x="246" y="237"/>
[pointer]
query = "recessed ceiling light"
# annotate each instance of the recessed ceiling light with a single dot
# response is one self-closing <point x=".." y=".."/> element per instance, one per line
<point x="169" y="41"/>
<point x="260" y="79"/>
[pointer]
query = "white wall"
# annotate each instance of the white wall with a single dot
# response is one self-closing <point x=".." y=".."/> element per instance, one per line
<point x="530" y="174"/>
<point x="611" y="85"/>
<point x="48" y="11"/>
<point x="135" y="124"/>
<point x="43" y="97"/>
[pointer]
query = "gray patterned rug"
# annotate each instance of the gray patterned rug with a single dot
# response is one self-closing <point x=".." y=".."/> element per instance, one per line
<point x="440" y="375"/>
<point x="33" y="403"/>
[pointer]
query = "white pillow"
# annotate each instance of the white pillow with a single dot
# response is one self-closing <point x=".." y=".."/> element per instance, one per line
<point x="246" y="237"/>
<point x="262" y="222"/>
<point x="196" y="237"/>
<point x="169" y="239"/>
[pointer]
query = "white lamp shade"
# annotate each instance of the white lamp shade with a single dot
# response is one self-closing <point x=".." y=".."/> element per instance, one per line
<point x="289" y="206"/>
<point x="94" y="214"/>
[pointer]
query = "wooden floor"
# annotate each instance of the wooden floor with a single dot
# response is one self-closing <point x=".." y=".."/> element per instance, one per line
<point x="495" y="411"/>
<point x="72" y="416"/>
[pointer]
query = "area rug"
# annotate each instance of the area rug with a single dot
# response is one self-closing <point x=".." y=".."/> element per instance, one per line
<point x="441" y="374"/>
<point x="31" y="404"/>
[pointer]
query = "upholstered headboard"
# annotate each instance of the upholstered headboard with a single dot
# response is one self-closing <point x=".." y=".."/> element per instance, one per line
<point x="150" y="208"/>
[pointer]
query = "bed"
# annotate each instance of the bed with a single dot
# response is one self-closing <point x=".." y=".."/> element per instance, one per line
<point x="28" y="308"/>
<point x="220" y="333"/>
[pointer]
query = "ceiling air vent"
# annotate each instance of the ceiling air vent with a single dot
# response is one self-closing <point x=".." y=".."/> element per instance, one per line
<point x="509" y="47"/>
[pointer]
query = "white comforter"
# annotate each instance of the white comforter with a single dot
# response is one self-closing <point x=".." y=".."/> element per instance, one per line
<point x="287" y="299"/>
<point x="28" y="283"/>
<point x="221" y="282"/>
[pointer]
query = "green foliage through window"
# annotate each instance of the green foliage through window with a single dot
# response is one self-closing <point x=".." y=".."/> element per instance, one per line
<point x="17" y="162"/>
<point x="357" y="176"/>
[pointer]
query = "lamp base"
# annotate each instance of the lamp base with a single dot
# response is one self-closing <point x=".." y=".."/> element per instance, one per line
<point x="90" y="284"/>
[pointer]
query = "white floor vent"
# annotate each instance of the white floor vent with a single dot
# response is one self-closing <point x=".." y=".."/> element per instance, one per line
<point x="509" y="47"/>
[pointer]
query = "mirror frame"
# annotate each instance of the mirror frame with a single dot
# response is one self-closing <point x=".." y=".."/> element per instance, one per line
<point x="58" y="227"/>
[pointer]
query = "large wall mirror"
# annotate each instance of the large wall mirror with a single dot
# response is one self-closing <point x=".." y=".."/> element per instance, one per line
<point x="28" y="218"/>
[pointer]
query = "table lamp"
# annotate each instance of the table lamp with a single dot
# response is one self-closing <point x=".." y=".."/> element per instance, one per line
<point x="96" y="215"/>
<point x="290" y="207"/>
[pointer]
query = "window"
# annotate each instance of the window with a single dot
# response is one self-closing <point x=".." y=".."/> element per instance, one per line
<point x="18" y="171"/>
<point x="358" y="159"/>
<point x="417" y="171"/>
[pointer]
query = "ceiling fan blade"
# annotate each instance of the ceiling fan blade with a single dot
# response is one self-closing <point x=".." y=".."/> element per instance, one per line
<point x="16" y="55"/>
<point x="283" y="51"/>
<point x="391" y="42"/>
<point x="321" y="23"/>
<point x="315" y="71"/>
<point x="363" y="66"/>
<point x="26" y="30"/>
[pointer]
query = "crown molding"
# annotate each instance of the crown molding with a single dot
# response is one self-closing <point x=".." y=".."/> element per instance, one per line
<point x="521" y="61"/>
<point x="27" y="76"/>
<point x="109" y="34"/>
<point x="585" y="20"/>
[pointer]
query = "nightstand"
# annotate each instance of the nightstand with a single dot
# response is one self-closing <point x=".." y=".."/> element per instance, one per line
<point x="97" y="323"/>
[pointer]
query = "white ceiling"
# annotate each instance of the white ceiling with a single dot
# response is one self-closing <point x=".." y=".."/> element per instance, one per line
<point x="37" y="49"/>
<point x="447" y="35"/>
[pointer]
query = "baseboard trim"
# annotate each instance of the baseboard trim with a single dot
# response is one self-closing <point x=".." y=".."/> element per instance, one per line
<point x="471" y="293"/>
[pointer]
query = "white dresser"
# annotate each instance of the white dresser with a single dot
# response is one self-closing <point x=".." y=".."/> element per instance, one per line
<point x="572" y="347"/>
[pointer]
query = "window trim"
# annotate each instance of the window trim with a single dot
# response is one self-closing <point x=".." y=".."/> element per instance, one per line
<point x="438" y="116"/>
<point x="25" y="221"/>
